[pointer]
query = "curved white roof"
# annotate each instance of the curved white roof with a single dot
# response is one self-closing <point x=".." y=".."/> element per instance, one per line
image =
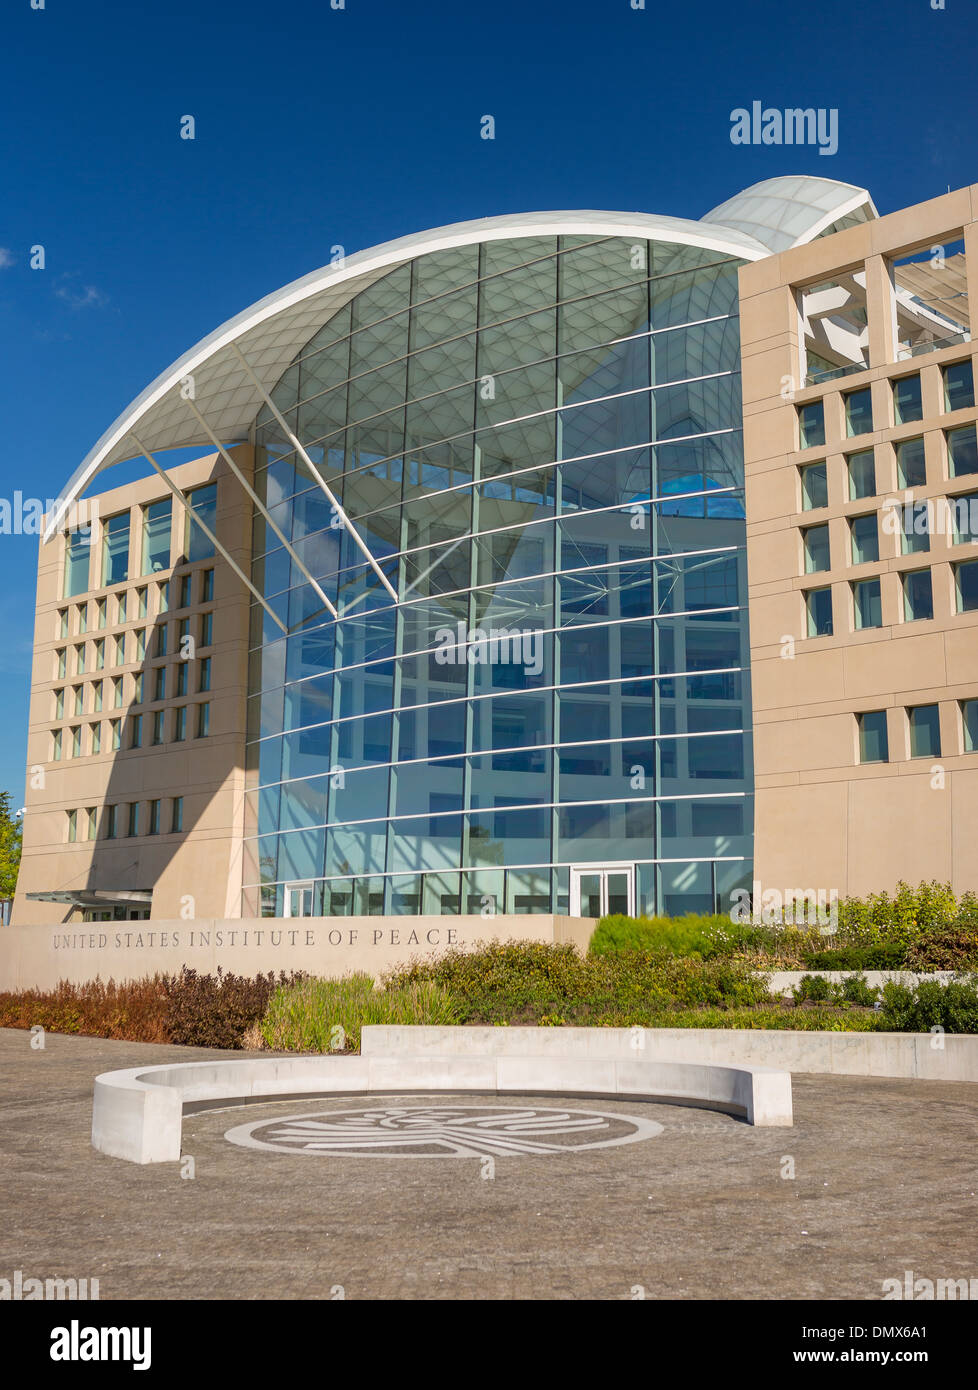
<point x="274" y="329"/>
<point x="792" y="210"/>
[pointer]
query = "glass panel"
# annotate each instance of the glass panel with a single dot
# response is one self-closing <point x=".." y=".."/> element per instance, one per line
<point x="911" y="469"/>
<point x="959" y="386"/>
<point x="865" y="539"/>
<point x="873" y="746"/>
<point x="156" y="536"/>
<point x="859" y="411"/>
<point x="811" y="424"/>
<point x="203" y="502"/>
<point x="862" y="475"/>
<point x="77" y="554"/>
<point x="868" y="603"/>
<point x="816" y="549"/>
<point x="918" y="597"/>
<point x="907" y="403"/>
<point x="925" y="732"/>
<point x="115" y="549"/>
<point x="814" y="488"/>
<point x="819" y="611"/>
<point x="962" y="451"/>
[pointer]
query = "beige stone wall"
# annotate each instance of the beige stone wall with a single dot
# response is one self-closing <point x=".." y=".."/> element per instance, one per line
<point x="822" y="819"/>
<point x="39" y="956"/>
<point x="202" y="861"/>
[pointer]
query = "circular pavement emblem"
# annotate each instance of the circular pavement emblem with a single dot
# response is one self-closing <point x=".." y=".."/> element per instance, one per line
<point x="443" y="1131"/>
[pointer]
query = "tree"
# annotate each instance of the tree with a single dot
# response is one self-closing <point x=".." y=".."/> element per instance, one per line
<point x="11" y="831"/>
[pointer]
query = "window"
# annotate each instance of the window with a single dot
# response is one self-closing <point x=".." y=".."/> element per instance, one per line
<point x="862" y="475"/>
<point x="96" y="738"/>
<point x="206" y="629"/>
<point x="811" y="424"/>
<point x="204" y="683"/>
<point x="97" y="696"/>
<point x="814" y="489"/>
<point x="156" y="536"/>
<point x="818" y="606"/>
<point x="142" y="602"/>
<point x="137" y="688"/>
<point x="873" y="745"/>
<point x="959" y="386"/>
<point x="867" y="603"/>
<point x="83" y="617"/>
<point x="964" y="509"/>
<point x="100" y="613"/>
<point x="59" y="704"/>
<point x="158" y="719"/>
<point x="183" y="629"/>
<point x="969" y="721"/>
<point x="80" y="660"/>
<point x="203" y="502"/>
<point x="180" y="724"/>
<point x="163" y="604"/>
<point x="159" y="692"/>
<point x="154" y="818"/>
<point x="92" y="818"/>
<point x="78" y="550"/>
<point x="962" y="451"/>
<point x="161" y="632"/>
<point x="100" y="654"/>
<point x="907" y="403"/>
<point x="120" y="650"/>
<point x="859" y="411"/>
<point x="816" y="540"/>
<point x="63" y="623"/>
<point x="918" y="598"/>
<point x="72" y="827"/>
<point x="61" y="663"/>
<point x="134" y="818"/>
<point x="115" y="726"/>
<point x="79" y="694"/>
<point x="865" y="539"/>
<point x="76" y="741"/>
<point x="206" y="586"/>
<point x="925" y="731"/>
<point x="181" y="679"/>
<point x="117" y="693"/>
<point x="966" y="586"/>
<point x="56" y="746"/>
<point x="203" y="720"/>
<point x="136" y="731"/>
<point x="115" y="549"/>
<point x="176" y="816"/>
<point x="121" y="608"/>
<point x="915" y="528"/>
<point x="111" y="822"/>
<point x="140" y="644"/>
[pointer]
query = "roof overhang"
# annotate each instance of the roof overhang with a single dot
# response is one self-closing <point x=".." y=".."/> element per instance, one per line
<point x="272" y="331"/>
<point x="95" y="897"/>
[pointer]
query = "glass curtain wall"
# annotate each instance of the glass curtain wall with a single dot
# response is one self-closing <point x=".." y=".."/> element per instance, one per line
<point x="539" y="440"/>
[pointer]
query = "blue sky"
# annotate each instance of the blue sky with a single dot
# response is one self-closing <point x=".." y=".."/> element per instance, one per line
<point x="317" y="127"/>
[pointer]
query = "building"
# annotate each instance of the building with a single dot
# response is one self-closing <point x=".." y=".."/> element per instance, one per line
<point x="452" y="615"/>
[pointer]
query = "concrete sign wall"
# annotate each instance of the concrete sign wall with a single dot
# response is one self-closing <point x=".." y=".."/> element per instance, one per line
<point x="40" y="956"/>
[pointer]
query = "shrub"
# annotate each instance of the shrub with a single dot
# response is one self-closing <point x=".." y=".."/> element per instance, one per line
<point x="135" y="1011"/>
<point x="217" y="1011"/>
<point x="929" y="1004"/>
<point x="317" y="1015"/>
<point x="953" y="946"/>
<point x="814" y="989"/>
<point x="692" y="935"/>
<point x="527" y="981"/>
<point x="855" y="989"/>
<point x="885" y="956"/>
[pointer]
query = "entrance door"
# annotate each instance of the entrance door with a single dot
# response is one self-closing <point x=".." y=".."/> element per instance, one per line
<point x="298" y="899"/>
<point x="598" y="889"/>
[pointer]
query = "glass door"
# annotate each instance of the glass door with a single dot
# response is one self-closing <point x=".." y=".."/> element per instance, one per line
<point x="599" y="889"/>
<point x="298" y="899"/>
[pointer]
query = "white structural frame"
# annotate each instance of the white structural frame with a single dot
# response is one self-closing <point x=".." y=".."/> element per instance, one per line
<point x="275" y="328"/>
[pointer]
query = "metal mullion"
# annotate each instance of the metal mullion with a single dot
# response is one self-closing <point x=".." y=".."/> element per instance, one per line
<point x="330" y="496"/>
<point x="185" y="504"/>
<point x="256" y="501"/>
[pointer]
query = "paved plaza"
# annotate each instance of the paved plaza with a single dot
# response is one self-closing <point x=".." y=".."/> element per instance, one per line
<point x="386" y="1197"/>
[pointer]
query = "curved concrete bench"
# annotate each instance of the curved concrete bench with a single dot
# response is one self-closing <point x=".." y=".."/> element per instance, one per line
<point x="138" y="1114"/>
